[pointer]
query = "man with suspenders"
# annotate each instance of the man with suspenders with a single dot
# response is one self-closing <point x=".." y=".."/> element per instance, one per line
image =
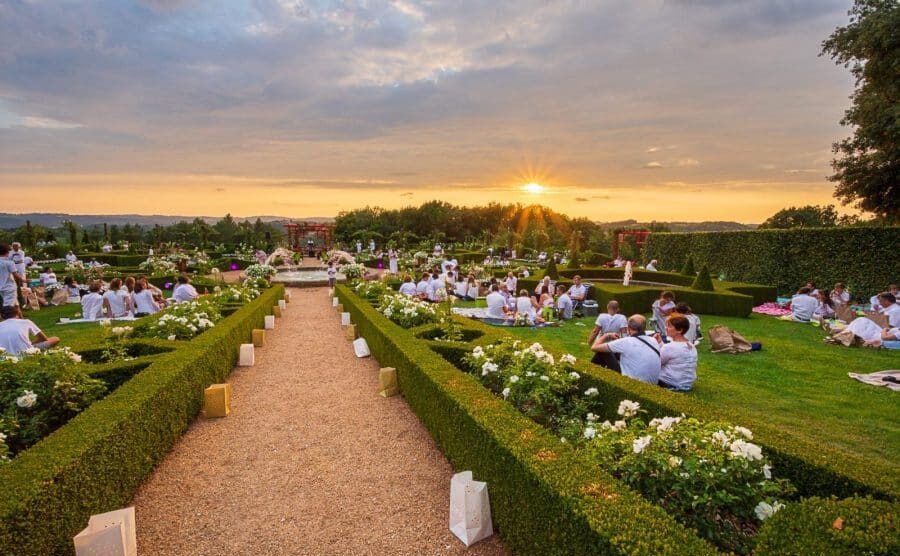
<point x="635" y="355"/>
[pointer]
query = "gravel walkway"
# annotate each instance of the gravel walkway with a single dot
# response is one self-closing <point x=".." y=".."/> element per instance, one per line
<point x="310" y="461"/>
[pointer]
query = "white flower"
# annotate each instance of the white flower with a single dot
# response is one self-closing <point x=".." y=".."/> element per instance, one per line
<point x="105" y="322"/>
<point x="514" y="379"/>
<point x="478" y="352"/>
<point x="74" y="357"/>
<point x="2" y="437"/>
<point x="32" y="351"/>
<point x="488" y="367"/>
<point x="746" y="450"/>
<point x="640" y="444"/>
<point x="545" y="378"/>
<point x="674" y="461"/>
<point x="744" y="432"/>
<point x="505" y="393"/>
<point x="590" y="432"/>
<point x="767" y="471"/>
<point x="628" y="408"/>
<point x="568" y="359"/>
<point x="591" y="417"/>
<point x="764" y="510"/>
<point x="173" y="337"/>
<point x="664" y="424"/>
<point x="591" y="392"/>
<point x="27" y="399"/>
<point x="719" y="437"/>
<point x="618" y="426"/>
<point x="574" y="375"/>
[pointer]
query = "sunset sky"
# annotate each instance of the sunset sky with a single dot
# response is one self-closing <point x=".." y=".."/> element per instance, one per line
<point x="649" y="109"/>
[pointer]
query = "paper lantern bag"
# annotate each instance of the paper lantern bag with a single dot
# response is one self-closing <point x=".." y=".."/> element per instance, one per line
<point x="387" y="380"/>
<point x="109" y="534"/>
<point x="470" y="509"/>
<point x="345" y="319"/>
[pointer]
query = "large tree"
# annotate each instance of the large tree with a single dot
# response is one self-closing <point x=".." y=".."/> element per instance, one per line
<point x="810" y="216"/>
<point x="867" y="168"/>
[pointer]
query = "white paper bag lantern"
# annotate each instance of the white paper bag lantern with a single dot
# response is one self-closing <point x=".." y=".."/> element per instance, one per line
<point x="248" y="356"/>
<point x="335" y="301"/>
<point x="109" y="534"/>
<point x="269" y="322"/>
<point x="470" y="509"/>
<point x="282" y="304"/>
<point x="361" y="348"/>
<point x="345" y="319"/>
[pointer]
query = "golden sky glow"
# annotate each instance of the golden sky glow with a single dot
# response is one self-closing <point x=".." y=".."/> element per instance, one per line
<point x="608" y="110"/>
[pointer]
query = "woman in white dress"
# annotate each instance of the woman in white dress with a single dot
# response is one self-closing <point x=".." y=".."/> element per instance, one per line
<point x="526" y="305"/>
<point x="472" y="289"/>
<point x="144" y="304"/>
<point x="116" y="301"/>
<point x="392" y="261"/>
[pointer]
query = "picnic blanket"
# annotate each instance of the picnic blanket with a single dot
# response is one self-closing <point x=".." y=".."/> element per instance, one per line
<point x="480" y="313"/>
<point x="877" y="379"/>
<point x="771" y="309"/>
<point x="77" y="321"/>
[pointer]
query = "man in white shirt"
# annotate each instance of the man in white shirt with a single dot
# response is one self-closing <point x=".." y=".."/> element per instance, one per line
<point x="803" y="305"/>
<point x="17" y="256"/>
<point x="610" y="322"/>
<point x="184" y="291"/>
<point x="496" y="303"/>
<point x="92" y="303"/>
<point x="511" y="282"/>
<point x="565" y="306"/>
<point x="577" y="291"/>
<point x="9" y="278"/>
<point x="16" y="333"/>
<point x="890" y="308"/>
<point x="638" y="353"/>
<point x="71" y="258"/>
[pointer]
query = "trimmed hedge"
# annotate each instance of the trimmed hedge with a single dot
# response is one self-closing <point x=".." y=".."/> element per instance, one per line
<point x="546" y="498"/>
<point x="113" y="259"/>
<point x="97" y="461"/>
<point x="865" y="258"/>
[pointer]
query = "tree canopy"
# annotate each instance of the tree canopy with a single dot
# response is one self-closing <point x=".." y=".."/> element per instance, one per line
<point x="810" y="216"/>
<point x="867" y="168"/>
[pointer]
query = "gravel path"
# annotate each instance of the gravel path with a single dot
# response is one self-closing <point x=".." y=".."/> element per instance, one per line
<point x="310" y="461"/>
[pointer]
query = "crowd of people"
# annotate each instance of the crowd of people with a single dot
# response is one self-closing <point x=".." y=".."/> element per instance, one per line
<point x="127" y="299"/>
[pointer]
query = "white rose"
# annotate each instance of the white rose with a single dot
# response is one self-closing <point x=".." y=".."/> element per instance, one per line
<point x="640" y="444"/>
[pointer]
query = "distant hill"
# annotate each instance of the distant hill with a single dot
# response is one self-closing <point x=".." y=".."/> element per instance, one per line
<point x="52" y="220"/>
<point x="715" y="226"/>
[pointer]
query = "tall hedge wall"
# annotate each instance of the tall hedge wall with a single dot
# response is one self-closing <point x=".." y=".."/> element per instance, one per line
<point x="865" y="258"/>
<point x="97" y="461"/>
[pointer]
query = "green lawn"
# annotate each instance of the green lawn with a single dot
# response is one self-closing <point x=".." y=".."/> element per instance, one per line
<point x="795" y="382"/>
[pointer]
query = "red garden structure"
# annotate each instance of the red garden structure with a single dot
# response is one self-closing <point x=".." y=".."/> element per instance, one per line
<point x="640" y="239"/>
<point x="310" y="237"/>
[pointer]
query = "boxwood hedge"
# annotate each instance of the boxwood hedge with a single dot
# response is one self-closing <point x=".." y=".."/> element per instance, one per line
<point x="864" y="258"/>
<point x="95" y="462"/>
<point x="546" y="497"/>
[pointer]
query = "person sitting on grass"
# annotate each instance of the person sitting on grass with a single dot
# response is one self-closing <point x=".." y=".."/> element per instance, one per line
<point x="424" y="286"/>
<point x="496" y="303"/>
<point x="651" y="266"/>
<point x="48" y="277"/>
<point x="609" y="322"/>
<point x="840" y="295"/>
<point x="872" y="335"/>
<point x="184" y="291"/>
<point x="144" y="303"/>
<point x="803" y="305"/>
<point x="543" y="287"/>
<point x="825" y="308"/>
<point x="813" y="290"/>
<point x="678" y="357"/>
<point x="634" y="355"/>
<point x="661" y="308"/>
<point x="890" y="308"/>
<point x="694" y="334"/>
<point x="577" y="292"/>
<point x="526" y="305"/>
<point x="116" y="301"/>
<point x="72" y="287"/>
<point x="157" y="293"/>
<point x="876" y="304"/>
<point x="71" y="258"/>
<point x="565" y="305"/>
<point x="407" y="287"/>
<point x="92" y="303"/>
<point x="16" y="333"/>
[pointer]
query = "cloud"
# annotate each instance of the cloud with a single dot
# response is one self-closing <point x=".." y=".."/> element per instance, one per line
<point x="654" y="165"/>
<point x="804" y="171"/>
<point x="687" y="163"/>
<point x="33" y="122"/>
<point x="653" y="150"/>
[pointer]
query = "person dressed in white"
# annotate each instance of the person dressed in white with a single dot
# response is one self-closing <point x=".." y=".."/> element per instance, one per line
<point x="619" y="262"/>
<point x="9" y="278"/>
<point x="92" y="303"/>
<point x="496" y="303"/>
<point x="565" y="305"/>
<point x="651" y="266"/>
<point x="868" y="331"/>
<point x="184" y="291"/>
<point x="678" y="358"/>
<point x="525" y="273"/>
<point x="424" y="286"/>
<point x="525" y="305"/>
<point x="825" y="308"/>
<point x="16" y="333"/>
<point x="890" y="308"/>
<point x="876" y="305"/>
<point x="840" y="295"/>
<point x="407" y="287"/>
<point x="372" y="246"/>
<point x="116" y="301"/>
<point x="358" y="247"/>
<point x="17" y="256"/>
<point x="661" y="309"/>
<point x="392" y="261"/>
<point x="638" y="353"/>
<point x="511" y="282"/>
<point x="544" y="287"/>
<point x="472" y="289"/>
<point x="693" y="333"/>
<point x="803" y="305"/>
<point x="107" y="248"/>
<point x="143" y="301"/>
<point x="48" y="277"/>
<point x="610" y="322"/>
<point x="460" y="287"/>
<point x="71" y="258"/>
<point x="577" y="291"/>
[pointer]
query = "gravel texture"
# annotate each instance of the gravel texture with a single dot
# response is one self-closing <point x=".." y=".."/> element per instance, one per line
<point x="311" y="460"/>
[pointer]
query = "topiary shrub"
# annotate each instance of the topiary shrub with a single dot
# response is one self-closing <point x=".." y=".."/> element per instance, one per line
<point x="689" y="269"/>
<point x="830" y="526"/>
<point x="551" y="271"/>
<point x="575" y="261"/>
<point x="703" y="282"/>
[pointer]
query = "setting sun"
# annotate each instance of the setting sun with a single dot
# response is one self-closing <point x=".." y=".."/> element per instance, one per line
<point x="533" y="187"/>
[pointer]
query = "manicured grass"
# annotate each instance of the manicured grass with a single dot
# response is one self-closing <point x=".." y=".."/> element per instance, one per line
<point x="796" y="382"/>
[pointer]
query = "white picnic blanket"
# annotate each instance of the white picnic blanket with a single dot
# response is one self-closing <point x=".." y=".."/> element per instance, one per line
<point x="471" y="312"/>
<point x="877" y="379"/>
<point x="77" y="321"/>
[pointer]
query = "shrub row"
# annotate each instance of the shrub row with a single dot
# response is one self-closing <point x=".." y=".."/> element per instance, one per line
<point x="864" y="258"/>
<point x="546" y="498"/>
<point x="97" y="461"/>
<point x="113" y="259"/>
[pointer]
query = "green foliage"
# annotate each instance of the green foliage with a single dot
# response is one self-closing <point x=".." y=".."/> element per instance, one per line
<point x="867" y="171"/>
<point x="809" y="216"/>
<point x="860" y="257"/>
<point x="688" y="268"/>
<point x="703" y="282"/>
<point x="99" y="459"/>
<point x="847" y="527"/>
<point x="574" y="261"/>
<point x="551" y="270"/>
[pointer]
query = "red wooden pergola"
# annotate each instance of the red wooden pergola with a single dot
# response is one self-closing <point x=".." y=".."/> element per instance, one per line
<point x="640" y="238"/>
<point x="300" y="234"/>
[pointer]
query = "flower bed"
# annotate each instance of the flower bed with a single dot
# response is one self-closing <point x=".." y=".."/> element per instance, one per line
<point x="98" y="459"/>
<point x="548" y="497"/>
